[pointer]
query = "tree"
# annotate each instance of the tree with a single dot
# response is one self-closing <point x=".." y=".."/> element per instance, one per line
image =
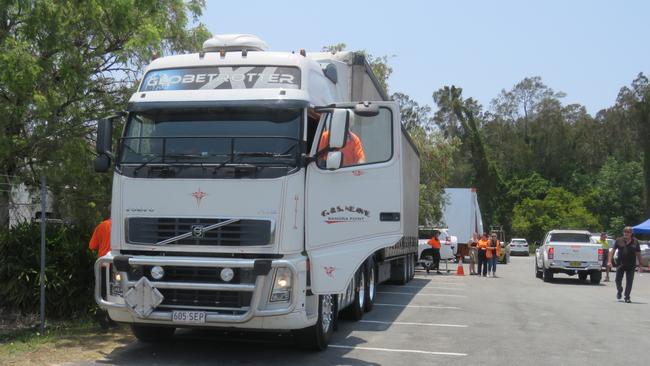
<point x="559" y="209"/>
<point x="636" y="101"/>
<point x="63" y="63"/>
<point x="462" y="115"/>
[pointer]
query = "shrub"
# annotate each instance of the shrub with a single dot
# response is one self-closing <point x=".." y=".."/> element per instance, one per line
<point x="69" y="278"/>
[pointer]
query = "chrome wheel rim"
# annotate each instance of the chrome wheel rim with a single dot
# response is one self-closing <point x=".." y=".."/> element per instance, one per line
<point x="371" y="284"/>
<point x="362" y="290"/>
<point x="327" y="310"/>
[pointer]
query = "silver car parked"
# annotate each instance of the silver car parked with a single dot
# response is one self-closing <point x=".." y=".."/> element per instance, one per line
<point x="519" y="246"/>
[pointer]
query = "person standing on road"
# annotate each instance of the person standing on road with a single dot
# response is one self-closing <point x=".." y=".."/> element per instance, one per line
<point x="629" y="251"/>
<point x="492" y="254"/>
<point x="473" y="254"/>
<point x="605" y="245"/>
<point x="435" y="246"/>
<point x="101" y="242"/>
<point x="482" y="255"/>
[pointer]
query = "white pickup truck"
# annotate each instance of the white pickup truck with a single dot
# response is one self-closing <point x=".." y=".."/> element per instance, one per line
<point x="571" y="252"/>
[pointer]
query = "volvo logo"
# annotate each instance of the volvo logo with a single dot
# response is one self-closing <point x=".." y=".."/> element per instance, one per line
<point x="197" y="231"/>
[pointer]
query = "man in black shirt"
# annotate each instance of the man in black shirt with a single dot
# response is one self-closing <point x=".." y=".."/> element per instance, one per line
<point x="628" y="252"/>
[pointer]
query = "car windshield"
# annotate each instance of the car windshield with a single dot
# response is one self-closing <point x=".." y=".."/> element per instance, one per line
<point x="570" y="238"/>
<point x="252" y="135"/>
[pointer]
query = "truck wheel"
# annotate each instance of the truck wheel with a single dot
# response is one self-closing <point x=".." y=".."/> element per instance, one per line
<point x="151" y="333"/>
<point x="582" y="276"/>
<point x="547" y="275"/>
<point x="538" y="273"/>
<point x="355" y="310"/>
<point x="317" y="337"/>
<point x="371" y="284"/>
<point x="595" y="277"/>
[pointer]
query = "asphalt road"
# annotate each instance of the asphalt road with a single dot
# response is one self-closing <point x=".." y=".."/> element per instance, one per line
<point x="515" y="319"/>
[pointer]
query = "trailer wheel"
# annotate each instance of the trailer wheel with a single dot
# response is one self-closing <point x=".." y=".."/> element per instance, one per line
<point x="355" y="310"/>
<point x="317" y="337"/>
<point x="371" y="284"/>
<point x="152" y="334"/>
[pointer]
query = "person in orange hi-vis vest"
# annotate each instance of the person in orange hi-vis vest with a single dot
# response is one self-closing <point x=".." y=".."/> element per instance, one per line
<point x="492" y="254"/>
<point x="482" y="255"/>
<point x="435" y="246"/>
<point x="353" y="153"/>
<point x="101" y="239"/>
<point x="101" y="242"/>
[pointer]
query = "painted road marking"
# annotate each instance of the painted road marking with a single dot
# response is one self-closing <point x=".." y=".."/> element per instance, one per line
<point x="432" y="287"/>
<point x="421" y="306"/>
<point x="409" y="323"/>
<point x="398" y="350"/>
<point x="418" y="294"/>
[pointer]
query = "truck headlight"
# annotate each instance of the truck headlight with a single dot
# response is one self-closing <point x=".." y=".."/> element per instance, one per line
<point x="115" y="287"/>
<point x="281" y="285"/>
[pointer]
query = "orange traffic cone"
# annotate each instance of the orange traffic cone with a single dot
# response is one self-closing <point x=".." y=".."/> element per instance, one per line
<point x="460" y="271"/>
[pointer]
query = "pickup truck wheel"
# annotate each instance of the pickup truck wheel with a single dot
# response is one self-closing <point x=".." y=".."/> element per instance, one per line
<point x="355" y="310"/>
<point x="538" y="273"/>
<point x="152" y="334"/>
<point x="582" y="276"/>
<point x="317" y="337"/>
<point x="371" y="285"/>
<point x="595" y="277"/>
<point x="547" y="275"/>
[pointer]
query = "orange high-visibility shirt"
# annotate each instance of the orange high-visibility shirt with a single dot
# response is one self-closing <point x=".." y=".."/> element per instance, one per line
<point x="434" y="242"/>
<point x="101" y="239"/>
<point x="490" y="249"/>
<point x="352" y="151"/>
<point x="482" y="244"/>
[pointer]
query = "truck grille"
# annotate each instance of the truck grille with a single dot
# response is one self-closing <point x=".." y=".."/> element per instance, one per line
<point x="205" y="299"/>
<point x="245" y="232"/>
<point x="197" y="275"/>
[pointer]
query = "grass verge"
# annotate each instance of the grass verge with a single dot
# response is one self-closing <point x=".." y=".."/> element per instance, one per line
<point x="62" y="342"/>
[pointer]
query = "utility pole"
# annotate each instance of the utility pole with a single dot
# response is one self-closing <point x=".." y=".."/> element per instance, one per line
<point x="43" y="219"/>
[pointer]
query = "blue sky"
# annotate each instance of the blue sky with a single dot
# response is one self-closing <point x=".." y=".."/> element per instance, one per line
<point x="587" y="49"/>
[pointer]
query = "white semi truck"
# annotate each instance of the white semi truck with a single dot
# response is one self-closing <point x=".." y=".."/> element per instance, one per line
<point x="256" y="190"/>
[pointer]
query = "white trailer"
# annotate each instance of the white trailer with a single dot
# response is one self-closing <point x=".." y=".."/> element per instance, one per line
<point x="461" y="214"/>
<point x="252" y="190"/>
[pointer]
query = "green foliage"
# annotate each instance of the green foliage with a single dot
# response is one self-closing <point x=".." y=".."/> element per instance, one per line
<point x="617" y="194"/>
<point x="64" y="63"/>
<point x="559" y="209"/>
<point x="69" y="279"/>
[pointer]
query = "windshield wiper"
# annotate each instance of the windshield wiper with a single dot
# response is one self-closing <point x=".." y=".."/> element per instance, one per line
<point x="145" y="163"/>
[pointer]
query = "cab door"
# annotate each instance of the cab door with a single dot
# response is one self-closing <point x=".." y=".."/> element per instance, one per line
<point x="356" y="209"/>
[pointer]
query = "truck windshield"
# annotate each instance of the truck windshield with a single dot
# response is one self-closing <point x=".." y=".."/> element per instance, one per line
<point x="253" y="137"/>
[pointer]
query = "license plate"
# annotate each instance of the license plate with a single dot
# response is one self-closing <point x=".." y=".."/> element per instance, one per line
<point x="575" y="264"/>
<point x="191" y="317"/>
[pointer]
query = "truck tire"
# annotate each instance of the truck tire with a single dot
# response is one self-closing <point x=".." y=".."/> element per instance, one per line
<point x="355" y="310"/>
<point x="151" y="333"/>
<point x="317" y="337"/>
<point x="371" y="284"/>
<point x="582" y="276"/>
<point x="538" y="273"/>
<point x="547" y="275"/>
<point x="595" y="277"/>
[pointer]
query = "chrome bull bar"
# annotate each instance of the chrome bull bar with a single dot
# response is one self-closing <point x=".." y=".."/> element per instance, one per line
<point x="211" y="317"/>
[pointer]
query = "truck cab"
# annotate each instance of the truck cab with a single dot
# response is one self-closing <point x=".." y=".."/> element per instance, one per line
<point x="235" y="203"/>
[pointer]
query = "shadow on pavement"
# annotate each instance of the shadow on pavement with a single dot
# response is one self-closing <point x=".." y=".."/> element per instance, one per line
<point x="207" y="347"/>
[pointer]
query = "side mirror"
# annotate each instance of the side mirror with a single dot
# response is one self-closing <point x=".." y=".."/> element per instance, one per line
<point x="339" y="127"/>
<point x="102" y="163"/>
<point x="334" y="160"/>
<point x="105" y="136"/>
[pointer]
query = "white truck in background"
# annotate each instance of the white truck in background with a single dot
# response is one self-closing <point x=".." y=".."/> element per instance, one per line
<point x="461" y="213"/>
<point x="229" y="211"/>
<point x="570" y="252"/>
